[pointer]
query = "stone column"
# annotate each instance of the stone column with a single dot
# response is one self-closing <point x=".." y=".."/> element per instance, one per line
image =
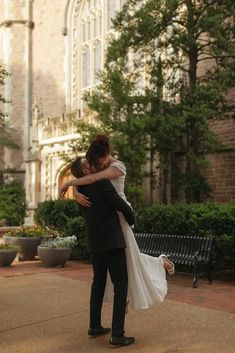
<point x="16" y="27"/>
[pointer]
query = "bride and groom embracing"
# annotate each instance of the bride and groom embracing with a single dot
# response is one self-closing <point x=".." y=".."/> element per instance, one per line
<point x="121" y="273"/>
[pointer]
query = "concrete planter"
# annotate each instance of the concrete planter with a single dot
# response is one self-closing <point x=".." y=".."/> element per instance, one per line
<point x="7" y="257"/>
<point x="52" y="257"/>
<point x="28" y="246"/>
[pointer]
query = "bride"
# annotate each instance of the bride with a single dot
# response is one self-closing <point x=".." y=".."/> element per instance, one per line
<point x="146" y="274"/>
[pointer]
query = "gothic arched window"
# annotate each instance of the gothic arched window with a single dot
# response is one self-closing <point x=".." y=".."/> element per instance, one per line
<point x="85" y="65"/>
<point x="88" y="23"/>
<point x="97" y="60"/>
<point x="111" y="9"/>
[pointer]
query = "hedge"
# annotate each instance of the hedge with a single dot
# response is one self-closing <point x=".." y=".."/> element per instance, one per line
<point x="206" y="219"/>
<point x="64" y="216"/>
<point x="12" y="203"/>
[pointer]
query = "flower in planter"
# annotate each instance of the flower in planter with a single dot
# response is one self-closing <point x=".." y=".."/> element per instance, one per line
<point x="28" y="238"/>
<point x="60" y="242"/>
<point x="57" y="251"/>
<point x="29" y="232"/>
<point x="12" y="247"/>
<point x="8" y="253"/>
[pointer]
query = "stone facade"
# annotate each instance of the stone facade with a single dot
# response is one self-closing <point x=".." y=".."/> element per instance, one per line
<point x="52" y="49"/>
<point x="15" y="40"/>
<point x="48" y="56"/>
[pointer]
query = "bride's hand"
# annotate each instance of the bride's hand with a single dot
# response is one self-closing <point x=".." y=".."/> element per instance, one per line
<point x="81" y="199"/>
<point x="63" y="189"/>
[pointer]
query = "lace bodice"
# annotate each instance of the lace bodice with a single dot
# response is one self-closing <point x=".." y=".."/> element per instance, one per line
<point x="119" y="182"/>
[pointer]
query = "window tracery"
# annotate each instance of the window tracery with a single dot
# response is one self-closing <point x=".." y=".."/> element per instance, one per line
<point x="90" y="22"/>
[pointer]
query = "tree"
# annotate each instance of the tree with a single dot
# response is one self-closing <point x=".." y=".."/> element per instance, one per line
<point x="6" y="140"/>
<point x="169" y="68"/>
<point x="120" y="116"/>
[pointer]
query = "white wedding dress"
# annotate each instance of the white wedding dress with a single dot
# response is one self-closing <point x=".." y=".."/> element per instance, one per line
<point x="146" y="274"/>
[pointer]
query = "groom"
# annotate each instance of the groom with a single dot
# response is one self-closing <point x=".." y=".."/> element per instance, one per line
<point x="107" y="247"/>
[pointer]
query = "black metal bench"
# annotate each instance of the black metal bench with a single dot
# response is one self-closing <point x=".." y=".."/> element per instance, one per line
<point x="184" y="250"/>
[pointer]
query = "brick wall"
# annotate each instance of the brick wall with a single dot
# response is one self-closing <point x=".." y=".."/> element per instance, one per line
<point x="225" y="129"/>
<point x="221" y="176"/>
<point x="221" y="170"/>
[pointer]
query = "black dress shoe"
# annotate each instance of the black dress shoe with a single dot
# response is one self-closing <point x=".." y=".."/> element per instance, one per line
<point x="121" y="341"/>
<point x="99" y="331"/>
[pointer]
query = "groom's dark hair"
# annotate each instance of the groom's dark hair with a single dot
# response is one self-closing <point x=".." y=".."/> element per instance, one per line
<point x="76" y="168"/>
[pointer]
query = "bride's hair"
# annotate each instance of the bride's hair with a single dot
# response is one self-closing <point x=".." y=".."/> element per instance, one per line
<point x="98" y="148"/>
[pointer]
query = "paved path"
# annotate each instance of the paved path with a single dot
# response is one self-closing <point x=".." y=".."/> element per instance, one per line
<point x="46" y="311"/>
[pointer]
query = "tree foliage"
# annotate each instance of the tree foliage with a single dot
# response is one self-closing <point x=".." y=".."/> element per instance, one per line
<point x="5" y="130"/>
<point x="169" y="68"/>
<point x="12" y="203"/>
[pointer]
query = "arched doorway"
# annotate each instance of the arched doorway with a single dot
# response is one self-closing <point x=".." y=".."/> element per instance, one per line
<point x="66" y="175"/>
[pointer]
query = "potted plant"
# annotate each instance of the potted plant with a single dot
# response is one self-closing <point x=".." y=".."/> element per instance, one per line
<point x="8" y="253"/>
<point x="56" y="251"/>
<point x="28" y="238"/>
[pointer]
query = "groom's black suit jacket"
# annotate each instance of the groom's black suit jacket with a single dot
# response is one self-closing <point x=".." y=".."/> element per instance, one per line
<point x="104" y="229"/>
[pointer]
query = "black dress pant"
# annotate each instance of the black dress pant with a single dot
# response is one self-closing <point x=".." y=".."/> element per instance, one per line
<point x="113" y="261"/>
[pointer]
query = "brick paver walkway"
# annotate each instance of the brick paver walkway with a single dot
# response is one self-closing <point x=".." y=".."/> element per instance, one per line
<point x="218" y="296"/>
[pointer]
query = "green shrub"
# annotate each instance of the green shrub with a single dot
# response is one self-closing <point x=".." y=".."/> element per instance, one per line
<point x="207" y="219"/>
<point x="224" y="251"/>
<point x="12" y="203"/>
<point x="55" y="213"/>
<point x="65" y="216"/>
<point x="78" y="226"/>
